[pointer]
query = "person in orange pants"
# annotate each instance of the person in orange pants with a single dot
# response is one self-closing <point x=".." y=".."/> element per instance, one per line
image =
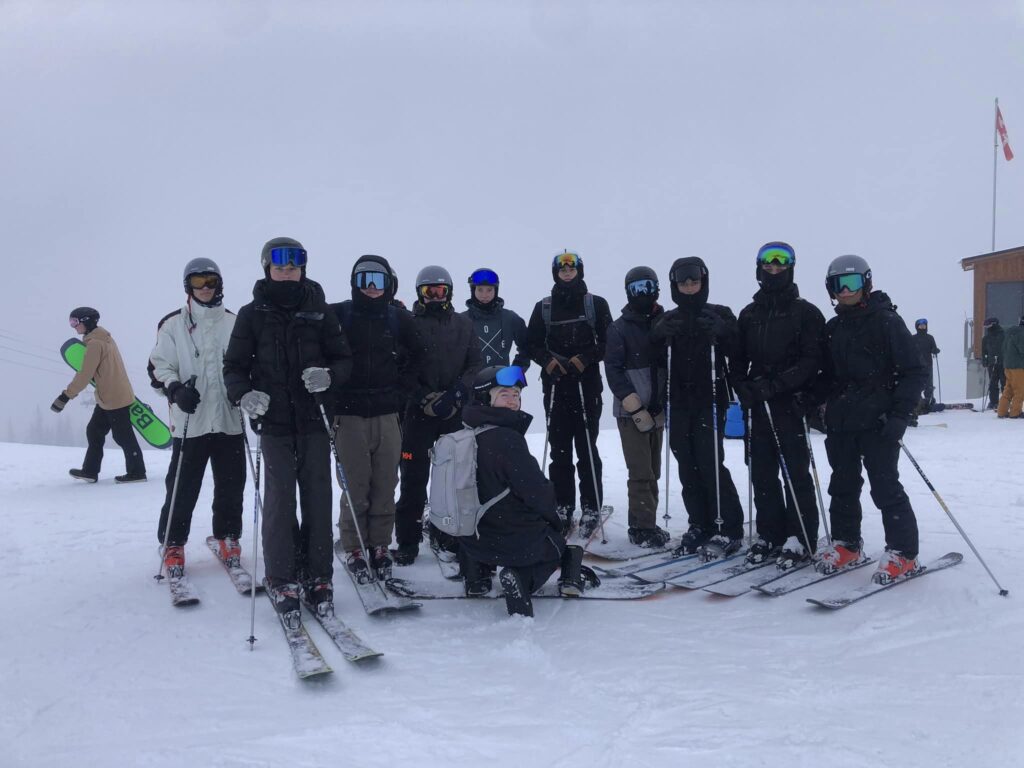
<point x="1012" y="399"/>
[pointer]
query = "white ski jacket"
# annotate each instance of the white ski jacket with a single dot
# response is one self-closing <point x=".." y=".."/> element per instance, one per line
<point x="191" y="342"/>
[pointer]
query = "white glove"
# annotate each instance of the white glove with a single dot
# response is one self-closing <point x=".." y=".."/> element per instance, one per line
<point x="254" y="403"/>
<point x="634" y="406"/>
<point x="316" y="379"/>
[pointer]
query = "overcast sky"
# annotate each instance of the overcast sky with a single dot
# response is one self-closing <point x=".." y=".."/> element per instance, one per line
<point x="138" y="135"/>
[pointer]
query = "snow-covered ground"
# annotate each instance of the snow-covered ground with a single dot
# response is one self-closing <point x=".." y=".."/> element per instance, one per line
<point x="97" y="668"/>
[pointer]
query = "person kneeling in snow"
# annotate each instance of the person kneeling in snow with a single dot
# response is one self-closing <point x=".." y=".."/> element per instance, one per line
<point x="522" y="531"/>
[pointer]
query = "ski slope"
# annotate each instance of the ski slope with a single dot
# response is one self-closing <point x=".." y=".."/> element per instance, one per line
<point x="98" y="669"/>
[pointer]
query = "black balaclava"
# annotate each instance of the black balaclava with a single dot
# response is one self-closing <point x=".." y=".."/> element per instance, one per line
<point x="286" y="294"/>
<point x="566" y="291"/>
<point x="697" y="301"/>
<point x="775" y="283"/>
<point x="359" y="298"/>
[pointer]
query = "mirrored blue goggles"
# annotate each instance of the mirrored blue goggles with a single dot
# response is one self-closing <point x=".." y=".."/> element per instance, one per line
<point x="645" y="287"/>
<point x="510" y="376"/>
<point x="282" y="257"/>
<point x="378" y="280"/>
<point x="484" y="277"/>
<point x="775" y="255"/>
<point x="852" y="283"/>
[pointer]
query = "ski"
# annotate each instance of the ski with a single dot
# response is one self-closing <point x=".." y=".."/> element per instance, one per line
<point x="636" y="566"/>
<point x="376" y="599"/>
<point x="182" y="591"/>
<point x="621" y="589"/>
<point x="751" y="578"/>
<point x="348" y="642"/>
<point x="851" y="596"/>
<point x="708" y="575"/>
<point x="683" y="568"/>
<point x="239" y="576"/>
<point x="791" y="582"/>
<point x="306" y="657"/>
<point x="625" y="552"/>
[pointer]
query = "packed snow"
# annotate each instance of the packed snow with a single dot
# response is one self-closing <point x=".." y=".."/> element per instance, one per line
<point x="100" y="670"/>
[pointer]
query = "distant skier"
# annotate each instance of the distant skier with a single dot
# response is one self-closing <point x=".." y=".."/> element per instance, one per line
<point x="1012" y="399"/>
<point x="566" y="336"/>
<point x="114" y="396"/>
<point x="496" y="326"/>
<point x="286" y="352"/>
<point x="639" y="402"/>
<point x="191" y="341"/>
<point x="928" y="351"/>
<point x="992" y="359"/>
<point x="778" y="355"/>
<point x="873" y="374"/>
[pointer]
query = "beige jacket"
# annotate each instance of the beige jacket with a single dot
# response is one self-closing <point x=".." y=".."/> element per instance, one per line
<point x="103" y="364"/>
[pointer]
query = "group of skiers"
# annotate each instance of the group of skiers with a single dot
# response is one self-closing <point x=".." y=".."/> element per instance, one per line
<point x="382" y="384"/>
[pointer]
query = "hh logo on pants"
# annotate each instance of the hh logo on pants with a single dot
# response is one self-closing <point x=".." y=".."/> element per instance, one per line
<point x="406" y="455"/>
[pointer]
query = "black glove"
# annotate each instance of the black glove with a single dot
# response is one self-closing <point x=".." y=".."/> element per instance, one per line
<point x="451" y="402"/>
<point x="802" y="403"/>
<point x="671" y="324"/>
<point x="744" y="391"/>
<point x="58" y="405"/>
<point x="184" y="396"/>
<point x="762" y="389"/>
<point x="893" y="427"/>
<point x="712" y="323"/>
<point x="557" y="367"/>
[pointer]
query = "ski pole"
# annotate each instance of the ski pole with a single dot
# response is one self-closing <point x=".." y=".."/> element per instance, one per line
<point x="985" y="384"/>
<point x="547" y="431"/>
<point x="938" y="375"/>
<point x="789" y="480"/>
<point x="668" y="430"/>
<point x="339" y="472"/>
<point x="257" y="507"/>
<point x="817" y="483"/>
<point x="714" y="427"/>
<point x="1002" y="592"/>
<point x="174" y="490"/>
<point x="750" y="475"/>
<point x="593" y="470"/>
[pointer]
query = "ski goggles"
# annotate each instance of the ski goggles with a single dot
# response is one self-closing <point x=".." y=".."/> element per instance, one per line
<point x="282" y="257"/>
<point x="685" y="272"/>
<point x="566" y="260"/>
<point x="74" y="321"/>
<point x="203" y="281"/>
<point x="852" y="283"/>
<point x="645" y="287"/>
<point x="776" y="254"/>
<point x="378" y="280"/>
<point x="435" y="292"/>
<point x="484" y="277"/>
<point x="510" y="376"/>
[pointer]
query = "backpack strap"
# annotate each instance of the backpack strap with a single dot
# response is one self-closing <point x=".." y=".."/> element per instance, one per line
<point x="590" y="311"/>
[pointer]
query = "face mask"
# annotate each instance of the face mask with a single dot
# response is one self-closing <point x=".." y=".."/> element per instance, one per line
<point x="285" y="293"/>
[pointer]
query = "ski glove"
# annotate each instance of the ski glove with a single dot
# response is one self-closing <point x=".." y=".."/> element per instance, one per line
<point x="744" y="391"/>
<point x="556" y="367"/>
<point x="893" y="427"/>
<point x="59" y="403"/>
<point x="184" y="396"/>
<point x="450" y="402"/>
<point x="712" y="324"/>
<point x="762" y="389"/>
<point x="427" y="403"/>
<point x="578" y="363"/>
<point x="316" y="380"/>
<point x="254" y="403"/>
<point x="641" y="417"/>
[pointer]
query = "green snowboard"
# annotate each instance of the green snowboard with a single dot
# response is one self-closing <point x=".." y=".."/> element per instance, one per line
<point x="146" y="423"/>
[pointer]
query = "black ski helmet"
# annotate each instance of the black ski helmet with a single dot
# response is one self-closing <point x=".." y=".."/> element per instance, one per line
<point x="483" y="276"/>
<point x="434" y="275"/>
<point x="848" y="265"/>
<point x="496" y="376"/>
<point x="637" y="274"/>
<point x="204" y="266"/>
<point x="555" y="265"/>
<point x="87" y="316"/>
<point x="281" y="242"/>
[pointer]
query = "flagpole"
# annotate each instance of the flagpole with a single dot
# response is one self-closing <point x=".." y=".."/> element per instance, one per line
<point x="995" y="165"/>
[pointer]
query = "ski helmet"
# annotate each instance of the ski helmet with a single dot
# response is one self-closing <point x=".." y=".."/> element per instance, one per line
<point x="204" y="266"/>
<point x="780" y="253"/>
<point x="991" y="322"/>
<point x="282" y="251"/>
<point x="642" y="281"/>
<point x="841" y="271"/>
<point x="689" y="268"/>
<point x="483" y="276"/>
<point x="430" y="277"/>
<point x="921" y="321"/>
<point x="567" y="259"/>
<point x="373" y="271"/>
<point x="496" y="376"/>
<point x="87" y="316"/>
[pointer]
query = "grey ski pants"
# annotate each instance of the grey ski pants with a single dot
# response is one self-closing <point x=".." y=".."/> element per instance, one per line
<point x="370" y="450"/>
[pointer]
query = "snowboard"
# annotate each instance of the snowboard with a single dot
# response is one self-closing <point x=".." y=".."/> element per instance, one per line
<point x="146" y="423"/>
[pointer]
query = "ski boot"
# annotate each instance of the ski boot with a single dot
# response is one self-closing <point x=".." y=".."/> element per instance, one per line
<point x="517" y="598"/>
<point x="590" y="519"/>
<point x="318" y="595"/>
<point x="840" y="555"/>
<point x="174" y="561"/>
<point x="356" y="564"/>
<point x="139" y="477"/>
<point x="570" y="580"/>
<point x="792" y="554"/>
<point x="648" y="538"/>
<point x="690" y="541"/>
<point x="895" y="566"/>
<point x="719" y="547"/>
<point x="565" y="515"/>
<point x="81" y="474"/>
<point x="405" y="554"/>
<point x="761" y="552"/>
<point x="476" y="577"/>
<point x="285" y="597"/>
<point x="229" y="551"/>
<point x="380" y="562"/>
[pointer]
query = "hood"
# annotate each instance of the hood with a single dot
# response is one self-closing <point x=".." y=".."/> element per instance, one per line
<point x="363" y="301"/>
<point x="475" y="415"/>
<point x="696" y="302"/>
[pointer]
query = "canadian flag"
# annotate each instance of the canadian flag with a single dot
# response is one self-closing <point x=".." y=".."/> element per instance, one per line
<point x="1001" y="128"/>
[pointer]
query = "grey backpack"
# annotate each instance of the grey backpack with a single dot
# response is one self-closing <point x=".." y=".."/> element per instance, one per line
<point x="455" y="506"/>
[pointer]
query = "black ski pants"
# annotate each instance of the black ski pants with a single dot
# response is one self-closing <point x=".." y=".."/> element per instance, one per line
<point x="419" y="433"/>
<point x="996" y="382"/>
<point x="777" y="517"/>
<point x="533" y="576"/>
<point x="119" y="422"/>
<point x="880" y="458"/>
<point x="567" y="429"/>
<point x="692" y="440"/>
<point x="226" y="456"/>
<point x="291" y="551"/>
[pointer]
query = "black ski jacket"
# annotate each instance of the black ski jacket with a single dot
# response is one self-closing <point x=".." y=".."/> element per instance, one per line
<point x="629" y="360"/>
<point x="691" y="356"/>
<point x="871" y="366"/>
<point x="992" y="346"/>
<point x="271" y="345"/>
<point x="497" y="329"/>
<point x="779" y="338"/>
<point x="521" y="528"/>
<point x="926" y="347"/>
<point x="450" y="351"/>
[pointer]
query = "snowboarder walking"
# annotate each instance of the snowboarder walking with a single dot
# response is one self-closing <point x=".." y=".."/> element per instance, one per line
<point x="114" y="396"/>
<point x="191" y="341"/>
<point x="566" y="336"/>
<point x="873" y="374"/>
<point x="926" y="348"/>
<point x="286" y="351"/>
<point x="698" y="334"/>
<point x="496" y="327"/>
<point x="1012" y="399"/>
<point x="638" y="405"/>
<point x="778" y="355"/>
<point x="992" y="359"/>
